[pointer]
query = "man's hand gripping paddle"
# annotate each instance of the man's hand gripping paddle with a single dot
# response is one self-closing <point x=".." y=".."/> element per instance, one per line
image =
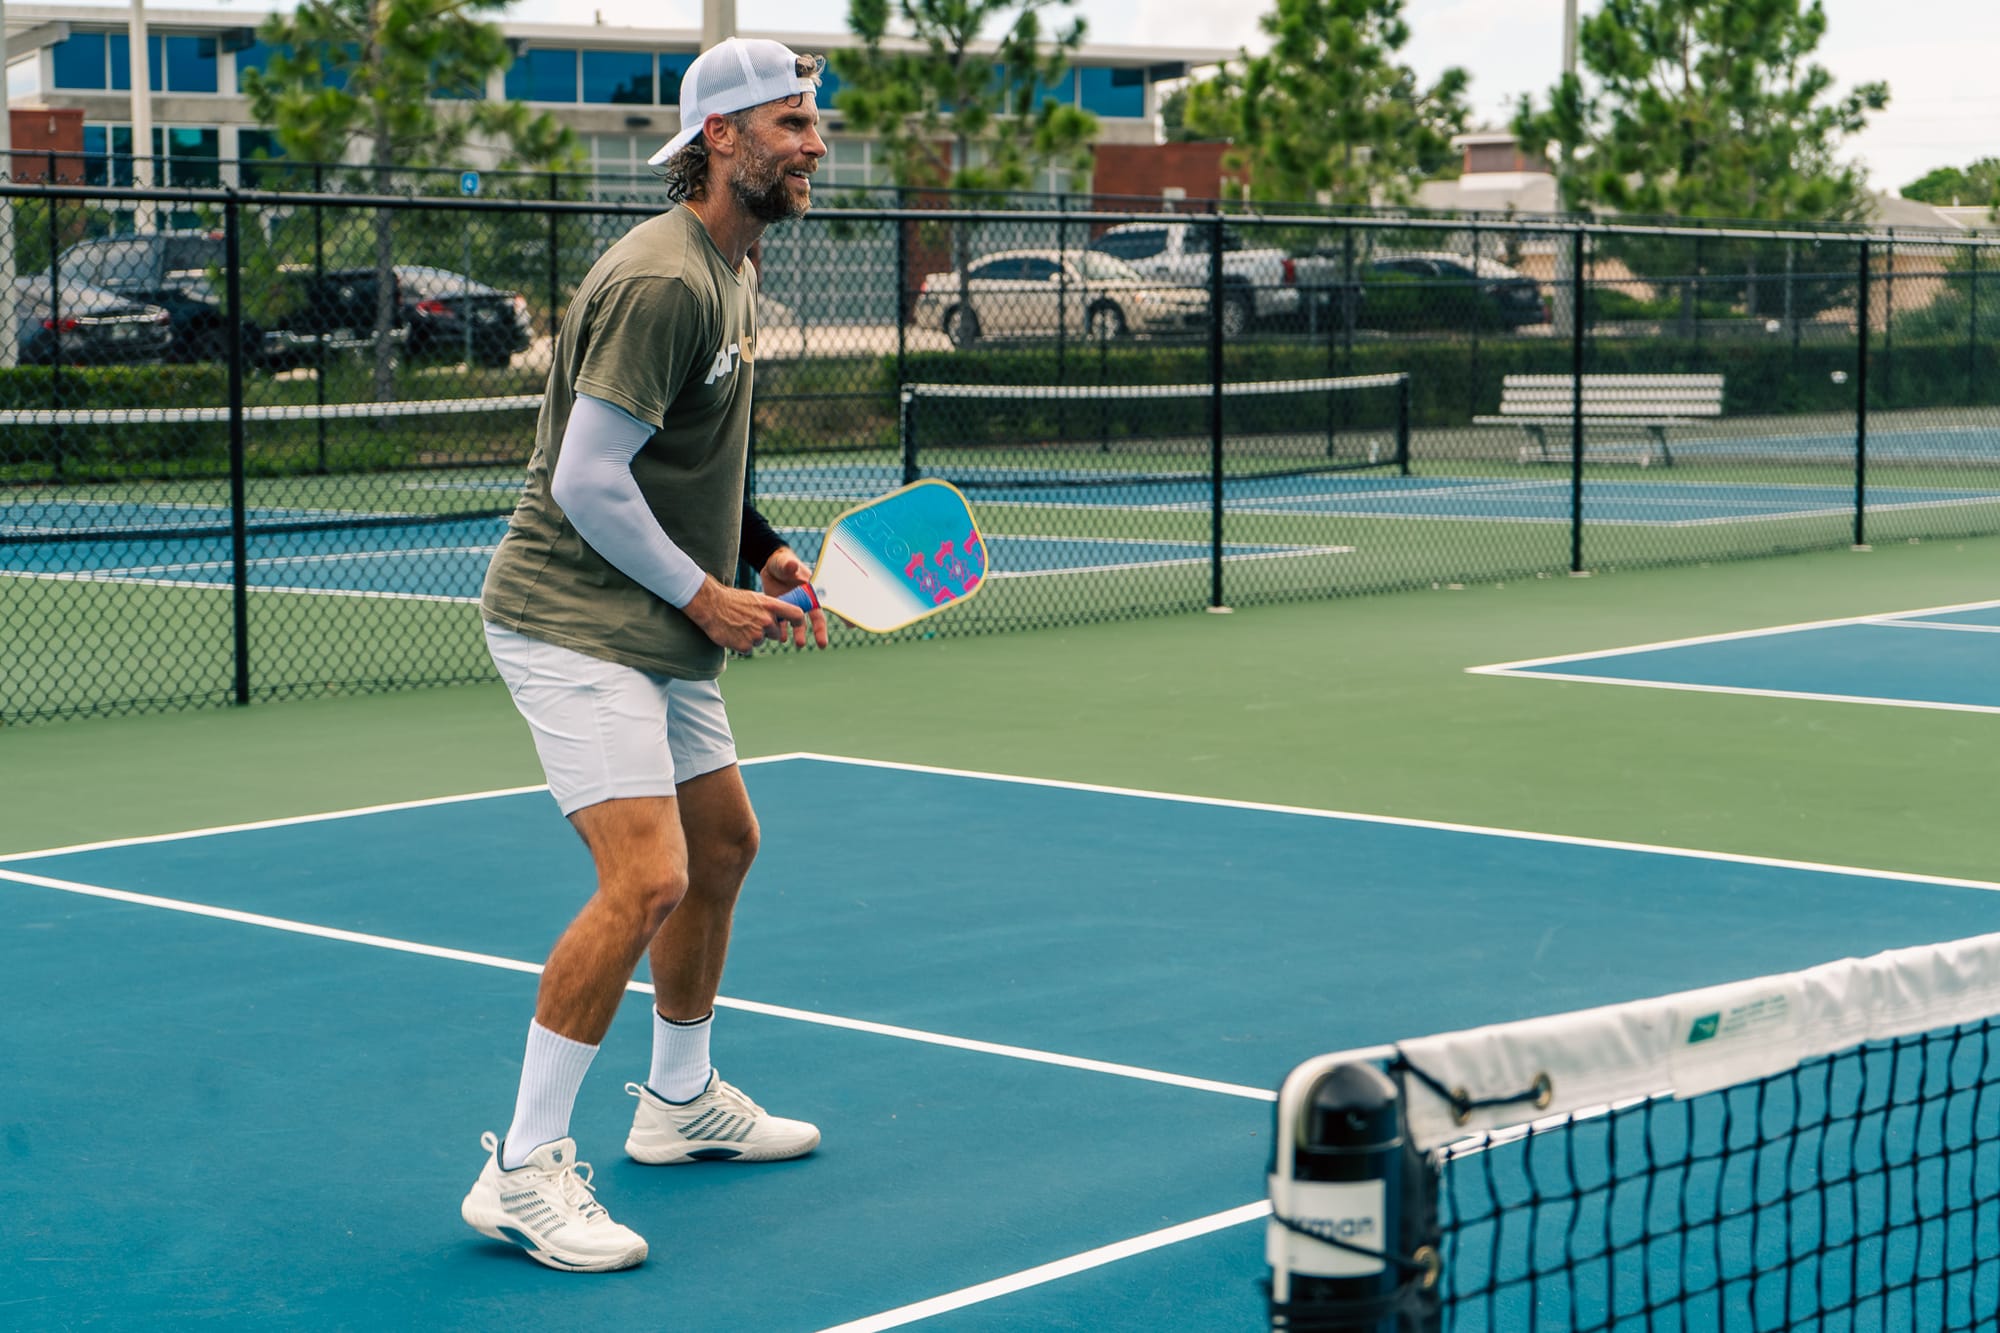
<point x="897" y="559"/>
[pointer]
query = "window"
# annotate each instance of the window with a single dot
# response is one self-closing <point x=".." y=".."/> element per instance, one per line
<point x="259" y="151"/>
<point x="187" y="62"/>
<point x="1112" y="92"/>
<point x="543" y="76"/>
<point x="996" y="270"/>
<point x="1129" y="245"/>
<point x="79" y="61"/>
<point x="1062" y="92"/>
<point x="1038" y="270"/>
<point x="618" y="77"/>
<point x="178" y="64"/>
<point x="673" y="64"/>
<point x="254" y="56"/>
<point x="193" y="157"/>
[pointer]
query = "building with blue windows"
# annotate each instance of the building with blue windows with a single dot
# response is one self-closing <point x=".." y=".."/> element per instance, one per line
<point x="618" y="88"/>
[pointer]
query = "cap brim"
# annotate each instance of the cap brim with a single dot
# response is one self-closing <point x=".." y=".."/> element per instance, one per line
<point x="674" y="145"/>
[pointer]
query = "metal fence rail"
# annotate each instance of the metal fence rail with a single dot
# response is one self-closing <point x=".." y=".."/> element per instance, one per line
<point x="259" y="444"/>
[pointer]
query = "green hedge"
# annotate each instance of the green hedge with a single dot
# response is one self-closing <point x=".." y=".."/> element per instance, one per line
<point x="75" y="388"/>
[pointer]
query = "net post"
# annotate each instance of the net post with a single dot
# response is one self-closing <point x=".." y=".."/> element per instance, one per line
<point x="1403" y="425"/>
<point x="906" y="418"/>
<point x="1353" y="1206"/>
<point x="239" y="532"/>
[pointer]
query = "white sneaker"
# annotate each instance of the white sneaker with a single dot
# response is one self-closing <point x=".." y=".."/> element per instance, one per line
<point x="720" y="1125"/>
<point x="546" y="1206"/>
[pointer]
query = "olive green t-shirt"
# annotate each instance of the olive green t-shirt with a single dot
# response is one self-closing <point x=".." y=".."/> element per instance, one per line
<point x="664" y="328"/>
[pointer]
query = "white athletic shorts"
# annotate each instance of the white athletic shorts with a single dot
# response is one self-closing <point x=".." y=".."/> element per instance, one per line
<point x="604" y="730"/>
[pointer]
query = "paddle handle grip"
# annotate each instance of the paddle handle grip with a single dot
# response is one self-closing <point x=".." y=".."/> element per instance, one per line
<point x="802" y="597"/>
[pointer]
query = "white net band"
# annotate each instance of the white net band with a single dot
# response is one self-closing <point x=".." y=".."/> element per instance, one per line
<point x="174" y="416"/>
<point x="1126" y="392"/>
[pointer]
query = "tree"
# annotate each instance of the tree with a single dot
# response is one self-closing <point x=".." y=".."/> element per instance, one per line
<point x="362" y="74"/>
<point x="1976" y="184"/>
<point x="1328" y="113"/>
<point x="1174" y="125"/>
<point x="947" y="115"/>
<point x="1705" y="108"/>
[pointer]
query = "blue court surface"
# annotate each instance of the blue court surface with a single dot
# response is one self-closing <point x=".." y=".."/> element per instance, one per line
<point x="446" y="560"/>
<point x="1944" y="657"/>
<point x="1038" y="1023"/>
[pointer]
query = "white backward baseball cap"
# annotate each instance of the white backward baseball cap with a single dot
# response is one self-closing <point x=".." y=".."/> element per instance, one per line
<point x="735" y="74"/>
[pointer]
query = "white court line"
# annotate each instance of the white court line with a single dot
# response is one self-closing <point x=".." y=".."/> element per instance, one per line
<point x="394" y="945"/>
<point x="1501" y="668"/>
<point x="1936" y="705"/>
<point x="1897" y="619"/>
<point x="1937" y="624"/>
<point x="1138" y="793"/>
<point x="1049" y="1272"/>
<point x="211" y="585"/>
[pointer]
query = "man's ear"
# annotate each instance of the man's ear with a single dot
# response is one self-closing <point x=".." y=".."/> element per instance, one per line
<point x="721" y="133"/>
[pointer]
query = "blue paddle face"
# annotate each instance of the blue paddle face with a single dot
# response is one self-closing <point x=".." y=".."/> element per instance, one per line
<point x="895" y="560"/>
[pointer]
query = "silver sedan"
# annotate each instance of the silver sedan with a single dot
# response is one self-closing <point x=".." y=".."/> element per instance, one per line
<point x="1034" y="293"/>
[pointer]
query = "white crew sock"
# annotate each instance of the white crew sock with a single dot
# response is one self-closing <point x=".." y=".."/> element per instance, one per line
<point x="551" y="1073"/>
<point x="680" y="1057"/>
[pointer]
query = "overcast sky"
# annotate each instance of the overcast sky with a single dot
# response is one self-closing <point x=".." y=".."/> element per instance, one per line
<point x="1936" y="55"/>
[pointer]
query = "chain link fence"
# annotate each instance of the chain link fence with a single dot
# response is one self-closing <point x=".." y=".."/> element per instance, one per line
<point x="261" y="444"/>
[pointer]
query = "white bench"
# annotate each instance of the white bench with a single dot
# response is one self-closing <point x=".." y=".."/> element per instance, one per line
<point x="1653" y="403"/>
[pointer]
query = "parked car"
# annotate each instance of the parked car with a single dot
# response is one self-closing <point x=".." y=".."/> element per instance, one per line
<point x="1427" y="290"/>
<point x="1035" y="293"/>
<point x="439" y="315"/>
<point x="172" y="270"/>
<point x="1258" y="283"/>
<point x="85" y="325"/>
<point x="449" y="312"/>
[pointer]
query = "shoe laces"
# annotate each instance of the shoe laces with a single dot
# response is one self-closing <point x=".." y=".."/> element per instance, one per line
<point x="734" y="1097"/>
<point x="572" y="1182"/>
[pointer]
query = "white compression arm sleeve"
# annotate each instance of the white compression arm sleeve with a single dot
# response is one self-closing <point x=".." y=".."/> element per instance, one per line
<point x="594" y="485"/>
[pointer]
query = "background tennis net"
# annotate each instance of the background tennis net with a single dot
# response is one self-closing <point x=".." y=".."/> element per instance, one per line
<point x="1813" y="1151"/>
<point x="995" y="436"/>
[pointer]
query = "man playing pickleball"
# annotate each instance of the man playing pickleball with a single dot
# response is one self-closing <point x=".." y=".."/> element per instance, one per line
<point x="609" y="609"/>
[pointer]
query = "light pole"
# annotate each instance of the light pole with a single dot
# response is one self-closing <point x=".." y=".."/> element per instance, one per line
<point x="140" y="67"/>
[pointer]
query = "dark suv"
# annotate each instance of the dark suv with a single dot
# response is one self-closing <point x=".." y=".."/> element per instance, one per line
<point x="1447" y="291"/>
<point x="439" y="315"/>
<point x="169" y="269"/>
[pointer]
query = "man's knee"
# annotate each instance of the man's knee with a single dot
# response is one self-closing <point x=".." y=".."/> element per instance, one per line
<point x="650" y="892"/>
<point x="722" y="856"/>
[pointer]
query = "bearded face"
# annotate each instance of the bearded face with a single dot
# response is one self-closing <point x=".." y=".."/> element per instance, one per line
<point x="770" y="188"/>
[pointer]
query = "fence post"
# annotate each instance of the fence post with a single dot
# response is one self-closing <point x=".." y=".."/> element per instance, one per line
<point x="1861" y="411"/>
<point x="1576" y="401"/>
<point x="319" y="286"/>
<point x="239" y="534"/>
<point x="555" y="256"/>
<point x="1215" y="602"/>
<point x="58" y="445"/>
<point x="1972" y="332"/>
<point x="902" y="296"/>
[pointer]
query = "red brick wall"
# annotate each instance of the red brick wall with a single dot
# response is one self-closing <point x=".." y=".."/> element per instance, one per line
<point x="40" y="131"/>
<point x="1125" y="174"/>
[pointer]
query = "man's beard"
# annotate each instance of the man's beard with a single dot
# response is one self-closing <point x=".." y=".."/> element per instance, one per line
<point x="765" y="191"/>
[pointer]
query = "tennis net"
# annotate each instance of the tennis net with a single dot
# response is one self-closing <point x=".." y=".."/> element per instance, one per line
<point x="1816" y="1151"/>
<point x="1052" y="437"/>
